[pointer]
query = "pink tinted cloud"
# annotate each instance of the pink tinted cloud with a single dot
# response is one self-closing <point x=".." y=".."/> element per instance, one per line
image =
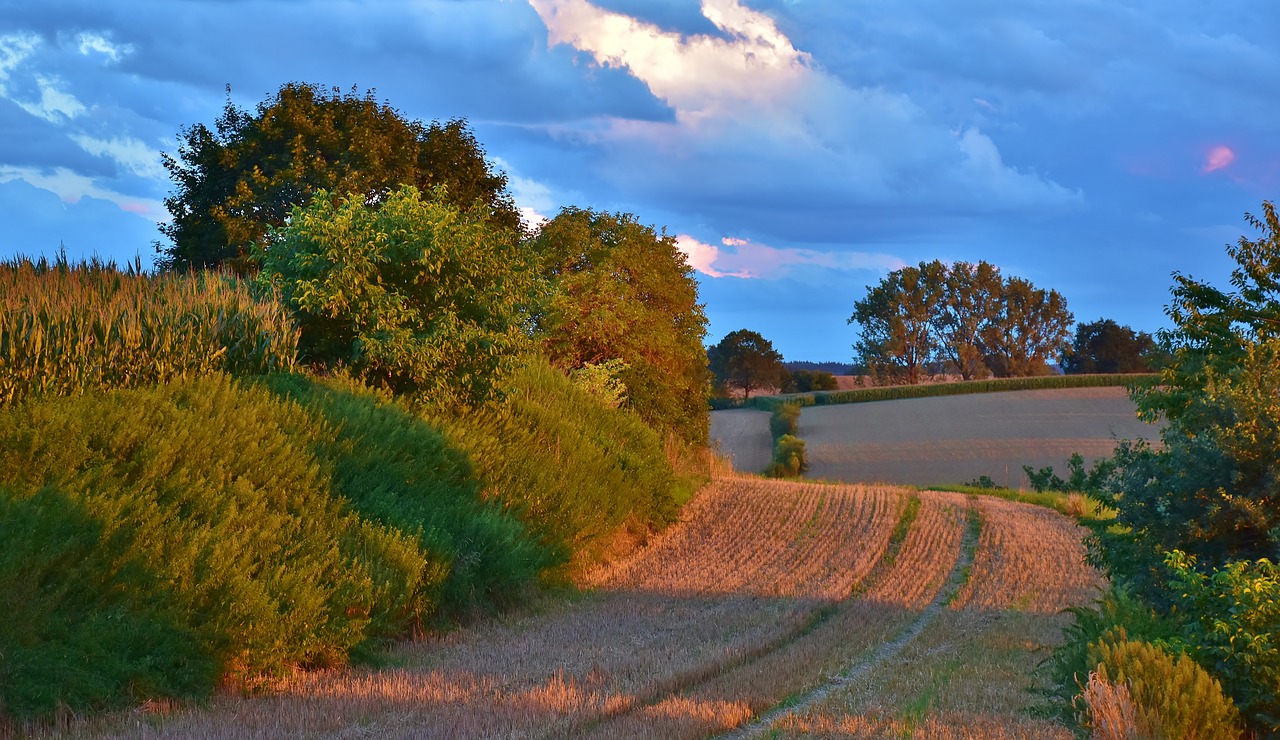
<point x="1219" y="157"/>
<point x="741" y="258"/>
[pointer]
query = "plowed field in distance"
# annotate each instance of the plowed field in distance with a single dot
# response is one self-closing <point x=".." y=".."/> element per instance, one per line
<point x="946" y="439"/>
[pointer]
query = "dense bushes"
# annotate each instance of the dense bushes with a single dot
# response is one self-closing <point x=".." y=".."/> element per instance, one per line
<point x="398" y="471"/>
<point x="68" y="329"/>
<point x="156" y="541"/>
<point x="1172" y="697"/>
<point x="194" y="512"/>
<point x="572" y="468"/>
<point x="413" y="295"/>
<point x="789" y="457"/>
<point x="1198" y="518"/>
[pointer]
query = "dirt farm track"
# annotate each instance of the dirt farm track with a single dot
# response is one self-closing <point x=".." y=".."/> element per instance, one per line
<point x="944" y="439"/>
<point x="772" y="608"/>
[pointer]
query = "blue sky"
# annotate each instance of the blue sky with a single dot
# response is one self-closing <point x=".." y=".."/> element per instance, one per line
<point x="799" y="149"/>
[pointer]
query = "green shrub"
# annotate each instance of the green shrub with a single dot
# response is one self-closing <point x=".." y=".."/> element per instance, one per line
<point x="412" y="294"/>
<point x="1232" y="625"/>
<point x="785" y="420"/>
<point x="789" y="459"/>
<point x="1068" y="667"/>
<point x="208" y="520"/>
<point x="1173" y="696"/>
<point x="398" y="471"/>
<point x="80" y="629"/>
<point x="574" y="470"/>
<point x="1093" y="480"/>
<point x="66" y="329"/>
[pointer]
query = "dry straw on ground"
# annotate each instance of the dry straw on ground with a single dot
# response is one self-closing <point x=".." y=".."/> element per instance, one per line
<point x="764" y="589"/>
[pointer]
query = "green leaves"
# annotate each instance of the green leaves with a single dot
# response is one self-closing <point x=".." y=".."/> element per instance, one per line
<point x="1232" y="624"/>
<point x="235" y="183"/>
<point x="616" y="289"/>
<point x="747" y="361"/>
<point x="962" y="318"/>
<point x="412" y="294"/>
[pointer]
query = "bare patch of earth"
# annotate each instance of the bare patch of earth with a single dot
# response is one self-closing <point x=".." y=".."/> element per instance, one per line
<point x="955" y="439"/>
<point x="742" y="435"/>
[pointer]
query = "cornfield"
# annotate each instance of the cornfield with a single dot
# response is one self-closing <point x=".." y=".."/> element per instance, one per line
<point x="66" y="329"/>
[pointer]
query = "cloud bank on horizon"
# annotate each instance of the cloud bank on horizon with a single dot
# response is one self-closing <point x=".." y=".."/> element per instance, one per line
<point x="798" y="149"/>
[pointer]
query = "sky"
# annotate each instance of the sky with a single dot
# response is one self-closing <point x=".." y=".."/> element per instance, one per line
<point x="798" y="150"/>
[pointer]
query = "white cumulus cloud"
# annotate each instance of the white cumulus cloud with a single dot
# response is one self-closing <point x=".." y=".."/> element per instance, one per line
<point x="131" y="154"/>
<point x="758" y="121"/>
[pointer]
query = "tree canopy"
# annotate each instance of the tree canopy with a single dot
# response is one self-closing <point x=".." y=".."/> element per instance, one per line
<point x="747" y="361"/>
<point x="411" y="293"/>
<point x="236" y="181"/>
<point x="962" y="318"/>
<point x="618" y="290"/>
<point x="1103" y="346"/>
<point x="1197" y="526"/>
<point x="1212" y="490"/>
<point x="897" y="339"/>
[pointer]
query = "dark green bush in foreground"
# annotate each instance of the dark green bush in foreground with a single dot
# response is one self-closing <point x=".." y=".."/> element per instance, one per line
<point x="197" y="513"/>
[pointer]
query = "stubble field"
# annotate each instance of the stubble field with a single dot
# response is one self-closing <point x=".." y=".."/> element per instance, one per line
<point x="778" y="607"/>
<point x="946" y="439"/>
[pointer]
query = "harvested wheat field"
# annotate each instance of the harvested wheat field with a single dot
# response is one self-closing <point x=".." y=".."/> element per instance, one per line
<point x="955" y="439"/>
<point x="829" y="596"/>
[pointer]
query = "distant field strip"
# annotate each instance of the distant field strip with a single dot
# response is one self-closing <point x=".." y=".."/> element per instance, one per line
<point x="765" y="590"/>
<point x="954" y="439"/>
<point x="743" y="436"/>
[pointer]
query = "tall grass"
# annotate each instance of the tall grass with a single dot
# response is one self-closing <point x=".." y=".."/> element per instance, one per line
<point x="573" y="469"/>
<point x="66" y="329"/>
<point x="156" y="540"/>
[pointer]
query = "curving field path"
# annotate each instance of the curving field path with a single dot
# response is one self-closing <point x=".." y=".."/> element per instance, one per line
<point x="868" y="610"/>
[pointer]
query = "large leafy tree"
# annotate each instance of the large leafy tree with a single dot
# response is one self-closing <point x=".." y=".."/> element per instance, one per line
<point x="747" y="361"/>
<point x="618" y="290"/>
<point x="1031" y="329"/>
<point x="1213" y="489"/>
<point x="410" y="293"/>
<point x="236" y="181"/>
<point x="897" y="337"/>
<point x="1103" y="346"/>
<point x="968" y="310"/>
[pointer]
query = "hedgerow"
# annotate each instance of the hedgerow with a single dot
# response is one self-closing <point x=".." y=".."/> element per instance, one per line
<point x="196" y="512"/>
<point x="572" y="468"/>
